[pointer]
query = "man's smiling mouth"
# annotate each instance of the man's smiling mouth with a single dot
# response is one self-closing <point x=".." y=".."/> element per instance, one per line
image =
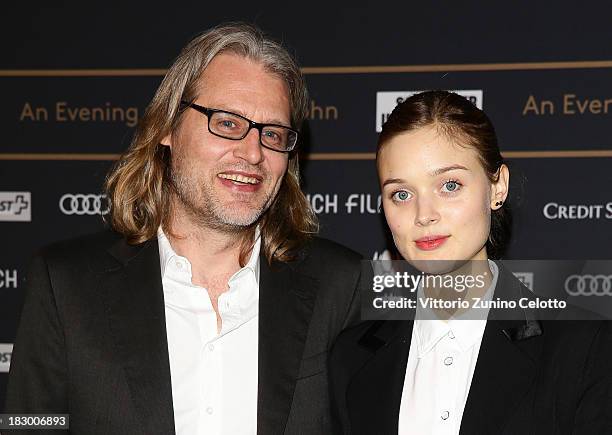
<point x="237" y="178"/>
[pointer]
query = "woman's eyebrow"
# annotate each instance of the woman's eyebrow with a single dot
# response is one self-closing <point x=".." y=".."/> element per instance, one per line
<point x="393" y="181"/>
<point x="439" y="171"/>
<point x="433" y="173"/>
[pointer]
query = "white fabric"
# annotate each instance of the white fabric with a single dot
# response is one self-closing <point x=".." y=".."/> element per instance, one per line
<point x="214" y="376"/>
<point x="439" y="372"/>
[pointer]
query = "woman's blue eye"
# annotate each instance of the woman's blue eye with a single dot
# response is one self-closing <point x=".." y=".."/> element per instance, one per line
<point x="401" y="196"/>
<point x="451" y="186"/>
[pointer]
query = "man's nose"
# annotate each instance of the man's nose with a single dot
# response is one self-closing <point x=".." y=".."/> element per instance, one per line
<point x="249" y="148"/>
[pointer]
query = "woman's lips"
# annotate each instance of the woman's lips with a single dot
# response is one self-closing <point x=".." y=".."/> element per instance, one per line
<point x="430" y="243"/>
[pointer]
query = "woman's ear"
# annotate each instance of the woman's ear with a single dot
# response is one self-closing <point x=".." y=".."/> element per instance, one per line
<point x="499" y="188"/>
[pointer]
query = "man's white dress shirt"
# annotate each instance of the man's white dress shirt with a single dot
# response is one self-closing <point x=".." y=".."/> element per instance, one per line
<point x="439" y="372"/>
<point x="214" y="376"/>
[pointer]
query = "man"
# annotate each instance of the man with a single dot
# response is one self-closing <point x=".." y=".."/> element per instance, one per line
<point x="210" y="308"/>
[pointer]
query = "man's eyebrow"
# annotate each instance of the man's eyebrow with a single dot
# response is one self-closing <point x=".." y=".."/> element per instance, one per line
<point x="241" y="113"/>
<point x="277" y="122"/>
<point x="439" y="171"/>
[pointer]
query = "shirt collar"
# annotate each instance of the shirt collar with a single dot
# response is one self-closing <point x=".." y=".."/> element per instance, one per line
<point x="253" y="263"/>
<point x="467" y="332"/>
<point x="167" y="254"/>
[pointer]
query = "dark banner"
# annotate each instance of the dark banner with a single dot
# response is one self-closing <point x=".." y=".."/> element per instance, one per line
<point x="76" y="81"/>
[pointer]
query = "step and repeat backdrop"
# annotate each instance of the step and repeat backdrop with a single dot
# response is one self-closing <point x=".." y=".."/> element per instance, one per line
<point x="77" y="82"/>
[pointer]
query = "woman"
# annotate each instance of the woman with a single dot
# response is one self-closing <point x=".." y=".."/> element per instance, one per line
<point x="444" y="187"/>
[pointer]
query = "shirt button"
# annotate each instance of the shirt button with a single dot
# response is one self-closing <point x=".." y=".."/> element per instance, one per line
<point x="450" y="334"/>
<point x="209" y="410"/>
<point x="448" y="360"/>
<point x="179" y="265"/>
<point x="445" y="415"/>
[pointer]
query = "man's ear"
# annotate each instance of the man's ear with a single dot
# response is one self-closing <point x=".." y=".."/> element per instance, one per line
<point x="167" y="140"/>
<point x="499" y="188"/>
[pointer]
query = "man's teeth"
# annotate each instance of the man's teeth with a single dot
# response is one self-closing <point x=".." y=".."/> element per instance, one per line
<point x="240" y="178"/>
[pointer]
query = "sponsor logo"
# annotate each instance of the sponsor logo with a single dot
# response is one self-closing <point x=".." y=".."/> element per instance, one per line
<point x="8" y="278"/>
<point x="83" y="204"/>
<point x="364" y="203"/>
<point x="386" y="102"/>
<point x="589" y="285"/>
<point x="15" y="206"/>
<point x="526" y="278"/>
<point x="354" y="203"/>
<point x="553" y="210"/>
<point x="323" y="203"/>
<point x="6" y="350"/>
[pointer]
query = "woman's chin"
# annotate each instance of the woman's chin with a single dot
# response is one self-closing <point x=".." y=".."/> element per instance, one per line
<point x="434" y="262"/>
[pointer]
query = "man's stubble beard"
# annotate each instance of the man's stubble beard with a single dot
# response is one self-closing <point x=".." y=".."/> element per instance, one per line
<point x="199" y="200"/>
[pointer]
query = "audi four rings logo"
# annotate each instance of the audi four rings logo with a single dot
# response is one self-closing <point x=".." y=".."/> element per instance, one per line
<point x="589" y="285"/>
<point x="83" y="204"/>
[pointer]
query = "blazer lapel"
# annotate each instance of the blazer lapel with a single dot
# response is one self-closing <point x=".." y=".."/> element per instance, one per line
<point x="374" y="394"/>
<point x="286" y="301"/>
<point x="135" y="306"/>
<point x="506" y="367"/>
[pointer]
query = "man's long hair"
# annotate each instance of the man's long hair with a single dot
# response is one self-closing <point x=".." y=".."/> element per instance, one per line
<point x="138" y="186"/>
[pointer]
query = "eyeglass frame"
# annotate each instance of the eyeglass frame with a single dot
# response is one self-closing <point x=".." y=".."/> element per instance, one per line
<point x="252" y="124"/>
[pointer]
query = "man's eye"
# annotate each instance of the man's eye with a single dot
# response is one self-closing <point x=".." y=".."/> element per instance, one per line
<point x="271" y="134"/>
<point x="400" y="196"/>
<point x="227" y="124"/>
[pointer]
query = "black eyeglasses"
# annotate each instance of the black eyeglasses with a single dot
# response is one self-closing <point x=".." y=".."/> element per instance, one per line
<point x="231" y="126"/>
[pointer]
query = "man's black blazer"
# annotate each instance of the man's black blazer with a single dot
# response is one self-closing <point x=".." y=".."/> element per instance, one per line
<point x="532" y="376"/>
<point x="92" y="337"/>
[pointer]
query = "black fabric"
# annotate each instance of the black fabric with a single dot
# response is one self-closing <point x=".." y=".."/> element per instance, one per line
<point x="92" y="337"/>
<point x="531" y="377"/>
